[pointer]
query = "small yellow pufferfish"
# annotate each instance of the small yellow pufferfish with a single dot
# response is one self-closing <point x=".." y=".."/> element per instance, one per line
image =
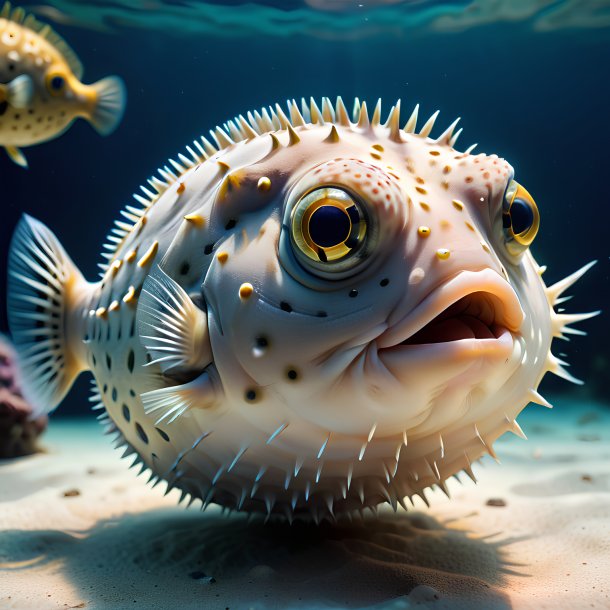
<point x="40" y="88"/>
<point x="319" y="314"/>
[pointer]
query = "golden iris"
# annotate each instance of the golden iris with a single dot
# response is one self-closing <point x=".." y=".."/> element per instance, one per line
<point x="520" y="216"/>
<point x="328" y="225"/>
<point x="56" y="83"/>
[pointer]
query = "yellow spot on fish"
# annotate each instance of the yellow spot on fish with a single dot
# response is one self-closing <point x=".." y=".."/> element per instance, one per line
<point x="423" y="231"/>
<point x="116" y="265"/>
<point x="485" y="247"/>
<point x="458" y="205"/>
<point x="376" y="156"/>
<point x="469" y="226"/>
<point x="421" y="190"/>
<point x="142" y="224"/>
<point x="224" y="167"/>
<point x="114" y="306"/>
<point x="195" y="219"/>
<point x="101" y="312"/>
<point x="333" y="136"/>
<point x="181" y="188"/>
<point x="378" y="147"/>
<point x="131" y="256"/>
<point x="222" y="257"/>
<point x="445" y="224"/>
<point x="149" y="255"/>
<point x="130" y="295"/>
<point x="263" y="184"/>
<point x="424" y="206"/>
<point x="443" y="254"/>
<point x="245" y="291"/>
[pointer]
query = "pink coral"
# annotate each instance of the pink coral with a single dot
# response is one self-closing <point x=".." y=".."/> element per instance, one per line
<point x="18" y="432"/>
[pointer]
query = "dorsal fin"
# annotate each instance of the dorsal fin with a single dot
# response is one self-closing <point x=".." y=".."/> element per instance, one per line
<point x="19" y="16"/>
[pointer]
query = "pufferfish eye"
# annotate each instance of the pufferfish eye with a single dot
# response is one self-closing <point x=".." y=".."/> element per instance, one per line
<point x="520" y="217"/>
<point x="328" y="225"/>
<point x="56" y="83"/>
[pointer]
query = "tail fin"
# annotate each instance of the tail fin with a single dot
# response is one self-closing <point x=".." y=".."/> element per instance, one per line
<point x="110" y="105"/>
<point x="44" y="289"/>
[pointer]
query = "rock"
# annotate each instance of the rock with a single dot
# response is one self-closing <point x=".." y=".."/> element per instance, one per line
<point x="496" y="502"/>
<point x="71" y="493"/>
<point x="18" y="430"/>
<point x="423" y="593"/>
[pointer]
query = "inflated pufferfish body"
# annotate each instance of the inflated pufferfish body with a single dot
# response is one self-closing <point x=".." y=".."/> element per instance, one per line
<point x="317" y="315"/>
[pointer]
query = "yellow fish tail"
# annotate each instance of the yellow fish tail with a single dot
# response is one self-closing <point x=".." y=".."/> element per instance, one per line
<point x="109" y="106"/>
<point x="47" y="301"/>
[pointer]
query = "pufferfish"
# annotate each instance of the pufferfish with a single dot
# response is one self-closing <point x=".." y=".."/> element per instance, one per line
<point x="41" y="93"/>
<point x="317" y="314"/>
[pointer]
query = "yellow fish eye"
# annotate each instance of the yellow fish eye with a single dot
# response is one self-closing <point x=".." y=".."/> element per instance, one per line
<point x="520" y="216"/>
<point x="328" y="225"/>
<point x="56" y="83"/>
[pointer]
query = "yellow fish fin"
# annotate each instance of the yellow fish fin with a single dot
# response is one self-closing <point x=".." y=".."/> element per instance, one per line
<point x="109" y="106"/>
<point x="17" y="156"/>
<point x="19" y="91"/>
<point x="18" y="15"/>
<point x="46" y="297"/>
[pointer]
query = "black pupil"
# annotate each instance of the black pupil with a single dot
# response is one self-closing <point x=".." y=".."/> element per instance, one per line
<point x="521" y="215"/>
<point x="329" y="226"/>
<point x="57" y="82"/>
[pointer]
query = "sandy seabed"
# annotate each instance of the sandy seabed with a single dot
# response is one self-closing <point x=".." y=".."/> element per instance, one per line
<point x="80" y="530"/>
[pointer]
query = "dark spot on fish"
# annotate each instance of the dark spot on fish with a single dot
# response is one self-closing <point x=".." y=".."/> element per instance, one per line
<point x="132" y="328"/>
<point x="353" y="293"/>
<point x="131" y="359"/>
<point x="16" y="116"/>
<point x="3" y="107"/>
<point x="322" y="314"/>
<point x="284" y="306"/>
<point x="250" y="395"/>
<point x="231" y="224"/>
<point x="108" y="362"/>
<point x="71" y="493"/>
<point x="262" y="342"/>
<point x="132" y="393"/>
<point x="141" y="433"/>
<point x="185" y="268"/>
<point x="105" y="388"/>
<point x="384" y="282"/>
<point x="126" y="413"/>
<point x="11" y="67"/>
<point x="208" y="249"/>
<point x="94" y="360"/>
<point x="115" y="394"/>
<point x="292" y="375"/>
<point x="30" y="111"/>
<point x="163" y="435"/>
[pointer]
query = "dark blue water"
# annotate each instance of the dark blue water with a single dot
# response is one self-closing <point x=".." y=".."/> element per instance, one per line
<point x="531" y="87"/>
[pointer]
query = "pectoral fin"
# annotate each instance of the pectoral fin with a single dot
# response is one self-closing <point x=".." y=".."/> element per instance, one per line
<point x="17" y="156"/>
<point x="169" y="403"/>
<point x="172" y="328"/>
<point x="19" y="91"/>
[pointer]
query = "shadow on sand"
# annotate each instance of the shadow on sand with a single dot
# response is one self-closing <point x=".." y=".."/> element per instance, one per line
<point x="170" y="559"/>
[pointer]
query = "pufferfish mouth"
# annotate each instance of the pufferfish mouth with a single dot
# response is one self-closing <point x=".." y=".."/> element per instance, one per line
<point x="473" y="306"/>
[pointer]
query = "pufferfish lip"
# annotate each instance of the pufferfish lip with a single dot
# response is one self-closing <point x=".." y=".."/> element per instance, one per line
<point x="472" y="306"/>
